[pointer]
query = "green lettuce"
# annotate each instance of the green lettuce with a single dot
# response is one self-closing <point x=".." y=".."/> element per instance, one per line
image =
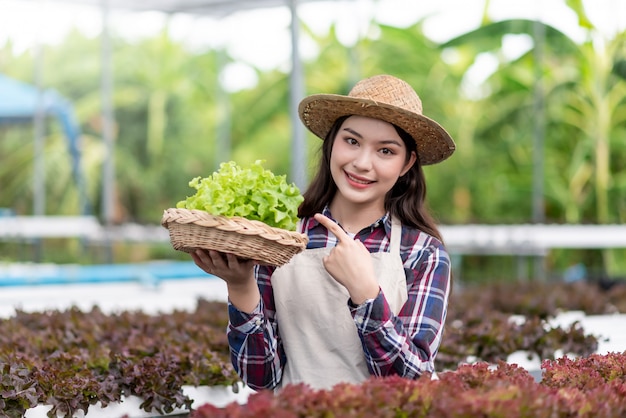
<point x="252" y="192"/>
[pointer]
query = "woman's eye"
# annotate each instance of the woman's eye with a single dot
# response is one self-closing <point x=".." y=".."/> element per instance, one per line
<point x="386" y="151"/>
<point x="351" y="141"/>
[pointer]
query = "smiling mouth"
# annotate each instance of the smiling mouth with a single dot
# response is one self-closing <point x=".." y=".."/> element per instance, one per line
<point x="358" y="180"/>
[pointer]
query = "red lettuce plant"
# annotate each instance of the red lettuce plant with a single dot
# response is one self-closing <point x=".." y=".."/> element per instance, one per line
<point x="477" y="390"/>
<point x="71" y="360"/>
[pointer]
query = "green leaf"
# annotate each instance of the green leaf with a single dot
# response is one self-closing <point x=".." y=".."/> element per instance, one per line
<point x="252" y="192"/>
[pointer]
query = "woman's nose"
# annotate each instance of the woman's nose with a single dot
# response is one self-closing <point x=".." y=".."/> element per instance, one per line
<point x="362" y="161"/>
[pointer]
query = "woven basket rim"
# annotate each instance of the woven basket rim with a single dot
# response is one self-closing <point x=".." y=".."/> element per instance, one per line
<point x="204" y="218"/>
<point x="253" y="238"/>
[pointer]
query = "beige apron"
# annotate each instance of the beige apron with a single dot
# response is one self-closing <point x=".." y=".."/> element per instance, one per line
<point x="317" y="330"/>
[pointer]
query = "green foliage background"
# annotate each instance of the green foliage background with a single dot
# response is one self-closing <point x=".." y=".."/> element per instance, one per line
<point x="168" y="120"/>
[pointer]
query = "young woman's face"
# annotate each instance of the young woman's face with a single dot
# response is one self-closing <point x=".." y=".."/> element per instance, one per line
<point x="367" y="158"/>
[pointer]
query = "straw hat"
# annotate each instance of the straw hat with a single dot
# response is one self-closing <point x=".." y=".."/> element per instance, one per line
<point x="382" y="97"/>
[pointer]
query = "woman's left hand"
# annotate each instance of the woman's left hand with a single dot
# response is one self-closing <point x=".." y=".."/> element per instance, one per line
<point x="350" y="263"/>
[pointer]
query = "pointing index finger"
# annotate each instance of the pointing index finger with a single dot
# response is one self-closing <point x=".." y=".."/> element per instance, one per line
<point x="332" y="226"/>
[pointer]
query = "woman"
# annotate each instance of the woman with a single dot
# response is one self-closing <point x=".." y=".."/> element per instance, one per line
<point x="368" y="297"/>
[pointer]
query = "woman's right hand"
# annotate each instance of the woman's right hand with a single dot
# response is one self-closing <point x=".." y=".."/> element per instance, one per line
<point x="238" y="274"/>
<point x="225" y="266"/>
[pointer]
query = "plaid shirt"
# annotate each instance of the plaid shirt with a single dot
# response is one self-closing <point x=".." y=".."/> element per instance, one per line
<point x="404" y="345"/>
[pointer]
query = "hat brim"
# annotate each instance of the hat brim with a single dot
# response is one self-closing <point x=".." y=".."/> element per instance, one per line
<point x="319" y="112"/>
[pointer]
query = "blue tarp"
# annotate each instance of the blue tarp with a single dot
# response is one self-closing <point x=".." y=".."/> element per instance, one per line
<point x="48" y="274"/>
<point x="20" y="102"/>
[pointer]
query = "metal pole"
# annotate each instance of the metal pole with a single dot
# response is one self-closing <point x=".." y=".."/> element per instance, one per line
<point x="539" y="129"/>
<point x="354" y="70"/>
<point x="223" y="143"/>
<point x="108" y="172"/>
<point x="39" y="174"/>
<point x="298" y="150"/>
<point x="538" y="141"/>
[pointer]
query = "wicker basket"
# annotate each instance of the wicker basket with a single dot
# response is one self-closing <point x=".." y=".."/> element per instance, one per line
<point x="192" y="229"/>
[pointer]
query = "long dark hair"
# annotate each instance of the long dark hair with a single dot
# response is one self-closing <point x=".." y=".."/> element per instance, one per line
<point x="406" y="200"/>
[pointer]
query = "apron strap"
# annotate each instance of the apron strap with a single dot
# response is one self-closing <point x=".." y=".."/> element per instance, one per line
<point x="396" y="235"/>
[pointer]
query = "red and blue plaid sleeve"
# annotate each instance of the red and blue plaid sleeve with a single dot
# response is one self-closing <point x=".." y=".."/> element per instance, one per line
<point x="255" y="346"/>
<point x="407" y="344"/>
